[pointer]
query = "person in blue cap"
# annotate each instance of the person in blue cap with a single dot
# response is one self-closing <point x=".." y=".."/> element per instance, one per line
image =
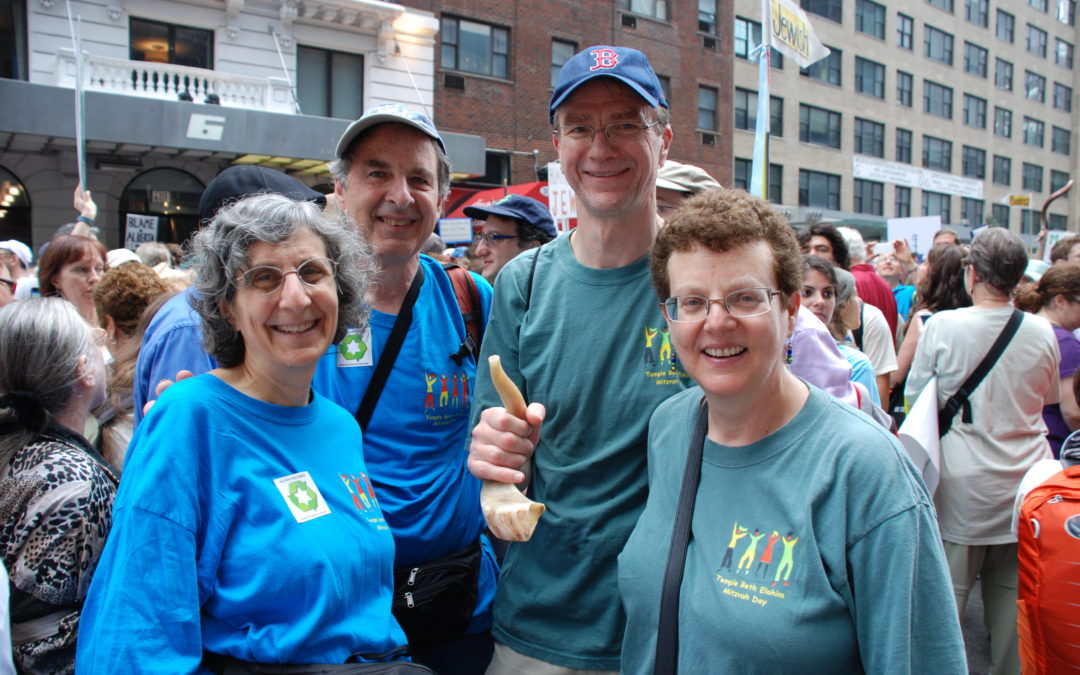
<point x="577" y="326"/>
<point x="509" y="226"/>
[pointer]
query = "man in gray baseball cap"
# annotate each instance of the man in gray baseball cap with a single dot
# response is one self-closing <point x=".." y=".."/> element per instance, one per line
<point x="509" y="226"/>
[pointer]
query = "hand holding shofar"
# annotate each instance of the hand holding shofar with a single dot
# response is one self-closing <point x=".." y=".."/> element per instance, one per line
<point x="511" y="515"/>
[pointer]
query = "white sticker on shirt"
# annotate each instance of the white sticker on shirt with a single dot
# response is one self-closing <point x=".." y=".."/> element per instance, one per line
<point x="355" y="349"/>
<point x="302" y="496"/>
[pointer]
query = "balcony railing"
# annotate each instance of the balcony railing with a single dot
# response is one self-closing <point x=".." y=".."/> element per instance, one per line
<point x="172" y="83"/>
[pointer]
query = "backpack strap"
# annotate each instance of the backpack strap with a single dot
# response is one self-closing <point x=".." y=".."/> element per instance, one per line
<point x="857" y="334"/>
<point x="468" y="299"/>
<point x="960" y="398"/>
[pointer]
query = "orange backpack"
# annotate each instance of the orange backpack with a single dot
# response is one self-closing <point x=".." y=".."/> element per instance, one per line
<point x="1048" y="614"/>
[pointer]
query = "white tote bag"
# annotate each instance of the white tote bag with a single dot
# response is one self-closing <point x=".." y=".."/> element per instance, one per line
<point x="919" y="434"/>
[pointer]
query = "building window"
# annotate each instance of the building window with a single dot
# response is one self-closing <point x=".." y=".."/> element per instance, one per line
<point x="870" y="18"/>
<point x="937" y="154"/>
<point x="1005" y="27"/>
<point x="905" y="31"/>
<point x="818" y="125"/>
<point x="746" y="103"/>
<point x="902" y="201"/>
<point x="939" y="45"/>
<point x="1063" y="53"/>
<point x="1002" y="170"/>
<point x="1002" y="122"/>
<point x="1033" y="132"/>
<point x="665" y="85"/>
<point x="741" y="177"/>
<point x="1058" y="179"/>
<point x="1033" y="177"/>
<point x="1066" y="12"/>
<point x="169" y="43"/>
<point x="776" y="184"/>
<point x="1061" y="140"/>
<point x="937" y="99"/>
<point x="868" y="197"/>
<point x="869" y="138"/>
<point x="776" y="116"/>
<point x="1038" y="4"/>
<point x="1003" y="71"/>
<point x="974" y="111"/>
<point x="1036" y="41"/>
<point x="974" y="162"/>
<point x="561" y="52"/>
<point x="748" y="37"/>
<point x="1062" y="97"/>
<point x="708" y="97"/>
<point x="1029" y="221"/>
<point x="869" y="77"/>
<point x="903" y="146"/>
<point x="971" y="211"/>
<point x="1058" y="221"/>
<point x="473" y="47"/>
<point x="827" y="69"/>
<point x="904" y="86"/>
<point x="706" y="13"/>
<point x="975" y="58"/>
<point x="655" y="9"/>
<point x="946" y="5"/>
<point x="977" y="11"/>
<point x="1034" y="86"/>
<point x="329" y="84"/>
<point x="936" y="204"/>
<point x="830" y="9"/>
<point x="819" y="189"/>
<point x="1000" y="215"/>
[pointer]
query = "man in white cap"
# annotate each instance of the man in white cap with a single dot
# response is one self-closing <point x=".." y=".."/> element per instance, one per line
<point x="577" y="326"/>
<point x="676" y="181"/>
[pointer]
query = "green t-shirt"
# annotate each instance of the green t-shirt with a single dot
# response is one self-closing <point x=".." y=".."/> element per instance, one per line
<point x="813" y="550"/>
<point x="592" y="346"/>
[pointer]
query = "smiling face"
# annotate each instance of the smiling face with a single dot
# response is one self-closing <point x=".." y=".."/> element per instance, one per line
<point x="76" y="281"/>
<point x="284" y="332"/>
<point x="818" y="295"/>
<point x="392" y="191"/>
<point x="611" y="180"/>
<point x="726" y="355"/>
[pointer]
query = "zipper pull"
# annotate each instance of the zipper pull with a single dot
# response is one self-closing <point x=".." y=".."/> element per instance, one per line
<point x="412" y="576"/>
<point x="409" y="600"/>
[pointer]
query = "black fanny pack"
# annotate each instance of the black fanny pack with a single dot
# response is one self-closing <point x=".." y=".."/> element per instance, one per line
<point x="434" y="602"/>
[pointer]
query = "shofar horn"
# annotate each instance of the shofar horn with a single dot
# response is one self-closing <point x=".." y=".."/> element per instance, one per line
<point x="511" y="515"/>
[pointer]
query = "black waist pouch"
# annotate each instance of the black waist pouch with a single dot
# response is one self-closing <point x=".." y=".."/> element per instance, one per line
<point x="434" y="602"/>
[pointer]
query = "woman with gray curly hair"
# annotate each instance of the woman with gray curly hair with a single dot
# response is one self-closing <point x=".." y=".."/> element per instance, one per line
<point x="247" y="531"/>
<point x="1000" y="435"/>
<point x="56" y="491"/>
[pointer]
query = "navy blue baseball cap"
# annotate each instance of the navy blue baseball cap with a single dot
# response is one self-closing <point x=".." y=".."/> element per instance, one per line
<point x="388" y="112"/>
<point x="517" y="207"/>
<point x="627" y="65"/>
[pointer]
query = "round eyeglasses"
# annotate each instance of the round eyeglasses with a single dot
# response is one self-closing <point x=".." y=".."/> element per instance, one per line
<point x="742" y="303"/>
<point x="268" y="278"/>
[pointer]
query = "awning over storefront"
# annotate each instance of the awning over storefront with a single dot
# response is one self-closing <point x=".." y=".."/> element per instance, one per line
<point x="538" y="190"/>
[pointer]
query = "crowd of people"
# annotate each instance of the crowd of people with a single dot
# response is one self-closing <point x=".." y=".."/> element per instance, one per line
<point x="268" y="457"/>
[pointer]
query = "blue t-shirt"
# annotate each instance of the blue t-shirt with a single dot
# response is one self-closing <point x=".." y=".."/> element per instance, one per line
<point x="415" y="441"/>
<point x="243" y="528"/>
<point x="904" y="296"/>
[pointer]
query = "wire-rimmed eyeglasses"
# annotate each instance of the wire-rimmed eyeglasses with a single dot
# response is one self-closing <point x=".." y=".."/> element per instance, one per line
<point x="268" y="278"/>
<point x="614" y="132"/>
<point x="742" y="303"/>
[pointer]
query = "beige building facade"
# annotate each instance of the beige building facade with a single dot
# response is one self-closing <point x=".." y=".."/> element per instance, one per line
<point x="957" y="108"/>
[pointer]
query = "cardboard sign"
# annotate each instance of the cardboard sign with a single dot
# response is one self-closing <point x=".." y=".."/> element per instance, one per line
<point x="139" y="229"/>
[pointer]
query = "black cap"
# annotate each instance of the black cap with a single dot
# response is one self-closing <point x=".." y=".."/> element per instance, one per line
<point x="238" y="182"/>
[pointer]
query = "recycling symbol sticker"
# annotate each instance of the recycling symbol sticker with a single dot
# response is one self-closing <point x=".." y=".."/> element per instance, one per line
<point x="302" y="496"/>
<point x="355" y="349"/>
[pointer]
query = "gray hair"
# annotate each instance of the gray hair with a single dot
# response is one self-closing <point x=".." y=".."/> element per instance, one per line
<point x="221" y="254"/>
<point x="856" y="246"/>
<point x="153" y="252"/>
<point x="999" y="259"/>
<point x="340" y="167"/>
<point x="41" y="341"/>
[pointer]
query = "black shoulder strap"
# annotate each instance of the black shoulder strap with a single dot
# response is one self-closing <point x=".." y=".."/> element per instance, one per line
<point x="960" y="398"/>
<point x="532" y="273"/>
<point x="390" y="351"/>
<point x="857" y="334"/>
<point x="667" y="638"/>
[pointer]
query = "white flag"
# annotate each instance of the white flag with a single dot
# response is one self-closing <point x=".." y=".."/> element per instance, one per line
<point x="792" y="35"/>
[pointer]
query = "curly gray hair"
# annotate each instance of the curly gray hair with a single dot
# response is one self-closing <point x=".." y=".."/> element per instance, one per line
<point x="221" y="254"/>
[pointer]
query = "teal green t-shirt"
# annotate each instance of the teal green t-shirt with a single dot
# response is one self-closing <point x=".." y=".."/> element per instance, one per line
<point x="593" y="347"/>
<point x="813" y="550"/>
